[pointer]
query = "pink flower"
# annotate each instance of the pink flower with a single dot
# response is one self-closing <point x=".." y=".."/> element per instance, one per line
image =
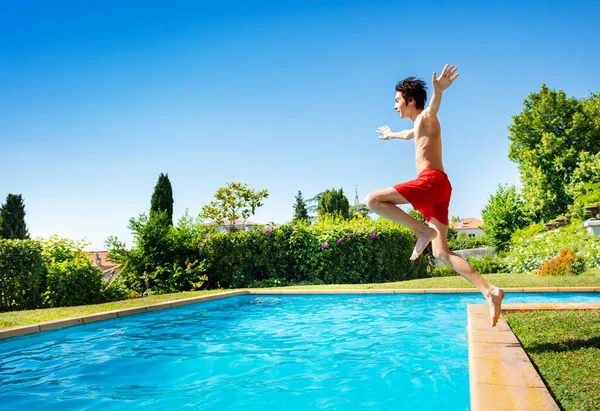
<point x="340" y="240"/>
<point x="325" y="245"/>
<point x="372" y="235"/>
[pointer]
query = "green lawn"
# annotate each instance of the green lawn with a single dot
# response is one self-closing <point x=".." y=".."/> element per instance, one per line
<point x="591" y="278"/>
<point x="588" y="279"/>
<point x="17" y="318"/>
<point x="565" y="348"/>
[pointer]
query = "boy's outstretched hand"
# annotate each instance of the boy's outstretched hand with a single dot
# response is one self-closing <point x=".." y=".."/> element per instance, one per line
<point x="386" y="133"/>
<point x="445" y="80"/>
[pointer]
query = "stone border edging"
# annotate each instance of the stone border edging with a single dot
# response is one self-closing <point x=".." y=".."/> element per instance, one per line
<point x="501" y="375"/>
<point x="48" y="325"/>
<point x="32" y="328"/>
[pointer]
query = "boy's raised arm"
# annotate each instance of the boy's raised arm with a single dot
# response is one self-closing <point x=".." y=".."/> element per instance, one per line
<point x="440" y="84"/>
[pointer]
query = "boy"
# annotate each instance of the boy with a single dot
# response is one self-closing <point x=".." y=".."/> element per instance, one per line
<point x="430" y="192"/>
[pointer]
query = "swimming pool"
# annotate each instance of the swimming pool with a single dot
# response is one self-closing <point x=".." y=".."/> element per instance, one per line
<point x="391" y="351"/>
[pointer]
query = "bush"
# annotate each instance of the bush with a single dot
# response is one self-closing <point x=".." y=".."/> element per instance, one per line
<point x="159" y="261"/>
<point x="531" y="247"/>
<point x="442" y="271"/>
<point x="464" y="242"/>
<point x="22" y="275"/>
<point x="488" y="265"/>
<point x="485" y="265"/>
<point x="331" y="251"/>
<point x="567" y="263"/>
<point x="115" y="290"/>
<point x="71" y="279"/>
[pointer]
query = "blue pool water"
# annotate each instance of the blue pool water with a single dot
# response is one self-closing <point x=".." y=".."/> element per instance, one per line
<point x="338" y="352"/>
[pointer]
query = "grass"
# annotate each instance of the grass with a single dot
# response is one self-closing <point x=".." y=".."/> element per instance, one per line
<point x="565" y="348"/>
<point x="588" y="279"/>
<point x="17" y="318"/>
<point x="591" y="278"/>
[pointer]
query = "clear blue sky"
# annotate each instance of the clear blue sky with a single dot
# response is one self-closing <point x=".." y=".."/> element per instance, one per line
<point x="98" y="98"/>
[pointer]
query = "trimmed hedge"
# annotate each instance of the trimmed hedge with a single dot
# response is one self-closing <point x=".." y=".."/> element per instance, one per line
<point x="22" y="274"/>
<point x="330" y="252"/>
<point x="53" y="273"/>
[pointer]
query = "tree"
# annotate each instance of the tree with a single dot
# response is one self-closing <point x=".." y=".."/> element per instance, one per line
<point x="502" y="216"/>
<point x="334" y="202"/>
<point x="546" y="140"/>
<point x="360" y="209"/>
<point x="312" y="204"/>
<point x="233" y="202"/>
<point x="162" y="198"/>
<point x="300" y="211"/>
<point x="12" y="218"/>
<point x="585" y="187"/>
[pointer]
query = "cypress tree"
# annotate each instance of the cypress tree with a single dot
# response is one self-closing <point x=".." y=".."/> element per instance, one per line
<point x="300" y="211"/>
<point x="162" y="198"/>
<point x="12" y="218"/>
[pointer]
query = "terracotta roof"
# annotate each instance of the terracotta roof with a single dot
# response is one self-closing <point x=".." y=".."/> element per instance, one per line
<point x="467" y="224"/>
<point x="100" y="257"/>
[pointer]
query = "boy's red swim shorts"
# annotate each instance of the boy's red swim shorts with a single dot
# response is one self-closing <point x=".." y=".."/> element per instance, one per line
<point x="429" y="194"/>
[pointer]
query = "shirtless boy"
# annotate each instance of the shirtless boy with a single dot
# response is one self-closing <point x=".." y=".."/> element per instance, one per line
<point x="430" y="192"/>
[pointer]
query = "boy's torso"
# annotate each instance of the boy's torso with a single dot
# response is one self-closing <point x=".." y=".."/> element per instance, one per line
<point x="428" y="143"/>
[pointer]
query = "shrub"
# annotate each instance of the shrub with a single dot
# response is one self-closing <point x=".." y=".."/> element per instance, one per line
<point x="488" y="265"/>
<point x="22" y="274"/>
<point x="331" y="251"/>
<point x="160" y="259"/>
<point x="442" y="271"/>
<point x="115" y="290"/>
<point x="464" y="242"/>
<point x="71" y="279"/>
<point x="567" y="263"/>
<point x="532" y="246"/>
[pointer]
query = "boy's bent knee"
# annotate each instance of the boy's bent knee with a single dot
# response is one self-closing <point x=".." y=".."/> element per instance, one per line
<point x="371" y="200"/>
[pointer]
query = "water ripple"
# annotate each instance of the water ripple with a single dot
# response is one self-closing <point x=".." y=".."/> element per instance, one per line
<point x="249" y="352"/>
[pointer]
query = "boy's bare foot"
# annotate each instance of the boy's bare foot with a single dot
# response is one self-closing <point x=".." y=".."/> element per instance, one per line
<point x="495" y="301"/>
<point x="422" y="240"/>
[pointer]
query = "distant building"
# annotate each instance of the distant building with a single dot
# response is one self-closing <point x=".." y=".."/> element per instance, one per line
<point x="100" y="260"/>
<point x="469" y="226"/>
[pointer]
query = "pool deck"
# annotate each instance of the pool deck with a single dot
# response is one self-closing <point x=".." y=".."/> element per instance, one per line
<point x="501" y="375"/>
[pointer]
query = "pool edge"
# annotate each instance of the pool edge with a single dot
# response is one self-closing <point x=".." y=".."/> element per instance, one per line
<point x="501" y="375"/>
<point x="66" y="322"/>
<point x="37" y="327"/>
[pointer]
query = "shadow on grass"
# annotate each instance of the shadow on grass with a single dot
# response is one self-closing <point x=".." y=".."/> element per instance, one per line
<point x="564" y="346"/>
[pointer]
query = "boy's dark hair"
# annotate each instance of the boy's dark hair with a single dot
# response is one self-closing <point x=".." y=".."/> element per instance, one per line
<point x="413" y="88"/>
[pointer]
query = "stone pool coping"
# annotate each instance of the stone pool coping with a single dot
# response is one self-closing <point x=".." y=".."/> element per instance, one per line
<point x="501" y="374"/>
<point x="48" y="325"/>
